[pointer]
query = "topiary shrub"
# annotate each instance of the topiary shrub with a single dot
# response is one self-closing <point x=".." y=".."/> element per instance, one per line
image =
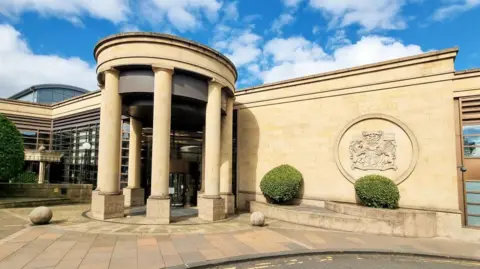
<point x="11" y="150"/>
<point x="281" y="184"/>
<point x="377" y="191"/>
<point x="25" y="177"/>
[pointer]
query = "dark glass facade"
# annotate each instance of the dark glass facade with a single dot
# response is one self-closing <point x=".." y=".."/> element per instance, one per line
<point x="48" y="93"/>
<point x="79" y="161"/>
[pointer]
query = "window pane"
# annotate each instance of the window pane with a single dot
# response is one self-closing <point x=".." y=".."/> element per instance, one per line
<point x="473" y="221"/>
<point x="471" y="152"/>
<point x="472" y="186"/>
<point x="471" y="129"/>
<point x="473" y="198"/>
<point x="57" y="97"/>
<point x="471" y="140"/>
<point x="45" y="96"/>
<point x="473" y="209"/>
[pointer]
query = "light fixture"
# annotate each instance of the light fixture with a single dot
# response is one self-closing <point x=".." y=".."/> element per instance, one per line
<point x="86" y="146"/>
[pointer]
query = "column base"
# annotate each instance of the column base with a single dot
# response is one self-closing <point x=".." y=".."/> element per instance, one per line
<point x="158" y="209"/>
<point x="211" y="208"/>
<point x="229" y="203"/>
<point x="134" y="196"/>
<point x="107" y="206"/>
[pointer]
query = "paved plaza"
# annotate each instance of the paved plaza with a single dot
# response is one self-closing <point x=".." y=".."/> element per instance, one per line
<point x="73" y="240"/>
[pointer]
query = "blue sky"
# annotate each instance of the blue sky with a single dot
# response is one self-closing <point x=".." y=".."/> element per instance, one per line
<point x="51" y="41"/>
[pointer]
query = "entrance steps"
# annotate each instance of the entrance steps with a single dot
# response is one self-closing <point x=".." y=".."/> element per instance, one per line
<point x="354" y="218"/>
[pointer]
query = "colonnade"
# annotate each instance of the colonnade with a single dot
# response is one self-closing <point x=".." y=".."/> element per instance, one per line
<point x="108" y="200"/>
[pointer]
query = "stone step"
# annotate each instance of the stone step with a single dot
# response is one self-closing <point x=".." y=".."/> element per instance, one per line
<point x="327" y="219"/>
<point x="377" y="213"/>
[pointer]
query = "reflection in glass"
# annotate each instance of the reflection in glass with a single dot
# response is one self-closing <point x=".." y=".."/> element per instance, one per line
<point x="471" y="140"/>
<point x="471" y="152"/>
<point x="79" y="165"/>
<point x="471" y="129"/>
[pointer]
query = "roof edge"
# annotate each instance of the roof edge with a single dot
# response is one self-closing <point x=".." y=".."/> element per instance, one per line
<point x="165" y="36"/>
<point x="467" y="71"/>
<point x="355" y="68"/>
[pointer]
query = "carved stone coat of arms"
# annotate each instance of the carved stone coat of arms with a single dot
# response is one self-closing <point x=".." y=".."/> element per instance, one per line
<point x="373" y="151"/>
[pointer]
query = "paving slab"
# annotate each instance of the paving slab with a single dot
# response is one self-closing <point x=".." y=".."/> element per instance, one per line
<point x="75" y="241"/>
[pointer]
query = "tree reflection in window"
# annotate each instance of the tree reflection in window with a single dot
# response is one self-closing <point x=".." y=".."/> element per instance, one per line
<point x="469" y="149"/>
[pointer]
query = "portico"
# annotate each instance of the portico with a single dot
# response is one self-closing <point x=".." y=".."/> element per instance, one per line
<point x="164" y="83"/>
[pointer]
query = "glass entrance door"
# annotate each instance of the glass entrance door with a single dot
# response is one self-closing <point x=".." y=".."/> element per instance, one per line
<point x="177" y="189"/>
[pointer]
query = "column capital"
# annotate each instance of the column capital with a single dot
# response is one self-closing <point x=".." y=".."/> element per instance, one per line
<point x="215" y="82"/>
<point x="164" y="68"/>
<point x="112" y="71"/>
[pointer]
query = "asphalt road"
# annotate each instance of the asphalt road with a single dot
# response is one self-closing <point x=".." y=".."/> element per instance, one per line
<point x="350" y="261"/>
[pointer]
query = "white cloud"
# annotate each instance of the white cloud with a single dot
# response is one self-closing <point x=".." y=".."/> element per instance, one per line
<point x="280" y="22"/>
<point x="315" y="29"/>
<point x="294" y="49"/>
<point x="71" y="10"/>
<point x="371" y="14"/>
<point x="231" y="11"/>
<point x="241" y="48"/>
<point x="339" y="39"/>
<point x="184" y="15"/>
<point x="296" y="56"/>
<point x="129" y="28"/>
<point x="20" y="68"/>
<point x="454" y="8"/>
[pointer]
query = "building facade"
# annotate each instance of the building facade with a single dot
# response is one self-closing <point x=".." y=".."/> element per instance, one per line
<point x="168" y="128"/>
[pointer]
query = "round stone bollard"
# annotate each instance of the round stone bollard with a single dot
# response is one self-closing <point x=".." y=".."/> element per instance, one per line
<point x="40" y="215"/>
<point x="257" y="219"/>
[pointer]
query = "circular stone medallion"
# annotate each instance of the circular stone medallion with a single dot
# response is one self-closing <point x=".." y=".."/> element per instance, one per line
<point x="376" y="144"/>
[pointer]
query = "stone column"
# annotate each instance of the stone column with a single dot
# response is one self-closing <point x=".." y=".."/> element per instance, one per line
<point x="158" y="204"/>
<point x="211" y="206"/>
<point x="203" y="161"/>
<point x="226" y="159"/>
<point x="134" y="194"/>
<point x="41" y="173"/>
<point x="107" y="200"/>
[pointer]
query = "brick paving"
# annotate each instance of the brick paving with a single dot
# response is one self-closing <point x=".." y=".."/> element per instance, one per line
<point x="73" y="241"/>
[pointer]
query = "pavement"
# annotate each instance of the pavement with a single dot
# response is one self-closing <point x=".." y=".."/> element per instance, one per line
<point x="73" y="240"/>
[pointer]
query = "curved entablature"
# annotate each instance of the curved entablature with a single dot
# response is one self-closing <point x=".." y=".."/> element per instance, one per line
<point x="153" y="49"/>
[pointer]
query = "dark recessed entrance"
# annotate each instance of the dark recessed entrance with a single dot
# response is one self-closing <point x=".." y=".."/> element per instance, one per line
<point x="189" y="98"/>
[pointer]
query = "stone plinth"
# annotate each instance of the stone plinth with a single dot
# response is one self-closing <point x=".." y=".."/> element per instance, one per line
<point x="211" y="208"/>
<point x="134" y="196"/>
<point x="229" y="203"/>
<point x="107" y="206"/>
<point x="158" y="209"/>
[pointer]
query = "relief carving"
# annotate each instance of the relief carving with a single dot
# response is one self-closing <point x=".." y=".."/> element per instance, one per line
<point x="373" y="151"/>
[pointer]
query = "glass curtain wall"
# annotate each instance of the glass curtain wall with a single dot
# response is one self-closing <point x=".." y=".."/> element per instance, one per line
<point x="33" y="139"/>
<point x="79" y="146"/>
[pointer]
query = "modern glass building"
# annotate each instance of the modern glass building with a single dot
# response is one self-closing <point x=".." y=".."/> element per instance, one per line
<point x="48" y="93"/>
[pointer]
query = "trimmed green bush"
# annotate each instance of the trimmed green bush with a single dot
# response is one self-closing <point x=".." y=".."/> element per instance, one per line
<point x="25" y="177"/>
<point x="11" y="150"/>
<point x="377" y="191"/>
<point x="281" y="184"/>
